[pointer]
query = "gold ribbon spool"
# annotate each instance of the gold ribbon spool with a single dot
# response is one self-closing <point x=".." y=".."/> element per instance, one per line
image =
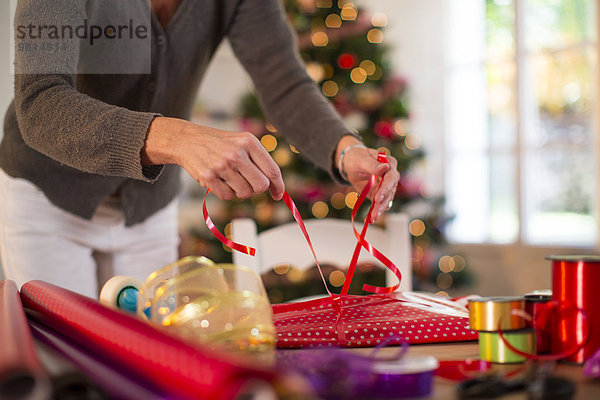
<point x="486" y="312"/>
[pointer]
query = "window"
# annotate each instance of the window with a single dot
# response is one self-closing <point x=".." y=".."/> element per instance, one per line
<point x="521" y="122"/>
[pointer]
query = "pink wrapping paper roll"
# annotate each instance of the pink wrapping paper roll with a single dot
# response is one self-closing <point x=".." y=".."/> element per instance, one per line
<point x="21" y="373"/>
<point x="187" y="370"/>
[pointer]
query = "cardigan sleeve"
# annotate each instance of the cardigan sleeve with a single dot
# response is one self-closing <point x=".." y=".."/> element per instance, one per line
<point x="264" y="43"/>
<point x="62" y="123"/>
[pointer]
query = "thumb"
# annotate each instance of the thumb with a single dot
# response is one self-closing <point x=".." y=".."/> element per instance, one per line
<point x="373" y="167"/>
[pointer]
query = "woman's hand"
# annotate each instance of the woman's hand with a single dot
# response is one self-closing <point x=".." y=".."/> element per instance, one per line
<point x="231" y="164"/>
<point x="359" y="163"/>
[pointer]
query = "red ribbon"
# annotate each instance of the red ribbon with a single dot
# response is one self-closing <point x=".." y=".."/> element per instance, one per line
<point x="382" y="158"/>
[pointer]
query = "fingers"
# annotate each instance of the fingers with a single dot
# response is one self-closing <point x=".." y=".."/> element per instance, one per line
<point x="387" y="190"/>
<point x="270" y="170"/>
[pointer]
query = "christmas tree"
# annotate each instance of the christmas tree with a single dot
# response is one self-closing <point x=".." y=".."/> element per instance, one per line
<point x="344" y="52"/>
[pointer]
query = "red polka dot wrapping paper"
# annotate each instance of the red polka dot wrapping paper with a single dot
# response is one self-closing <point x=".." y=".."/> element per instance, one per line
<point x="365" y="321"/>
<point x="186" y="370"/>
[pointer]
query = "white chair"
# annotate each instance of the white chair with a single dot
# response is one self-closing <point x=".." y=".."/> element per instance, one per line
<point x="333" y="240"/>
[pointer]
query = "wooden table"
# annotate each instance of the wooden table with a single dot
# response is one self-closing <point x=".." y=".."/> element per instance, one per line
<point x="587" y="389"/>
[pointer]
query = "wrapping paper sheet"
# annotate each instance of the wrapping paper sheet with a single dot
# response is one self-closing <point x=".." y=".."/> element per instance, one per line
<point x="363" y="321"/>
<point x="18" y="358"/>
<point x="187" y="370"/>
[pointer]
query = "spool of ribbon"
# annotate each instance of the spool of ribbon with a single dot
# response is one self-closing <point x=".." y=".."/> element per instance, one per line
<point x="534" y="303"/>
<point x="121" y="292"/>
<point x="340" y="375"/>
<point x="494" y="349"/>
<point x="22" y="375"/>
<point x="486" y="312"/>
<point x="574" y="283"/>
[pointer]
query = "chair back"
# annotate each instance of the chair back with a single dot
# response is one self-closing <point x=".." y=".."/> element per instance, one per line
<point x="333" y="240"/>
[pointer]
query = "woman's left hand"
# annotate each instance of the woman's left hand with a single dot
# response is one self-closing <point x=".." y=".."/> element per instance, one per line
<point x="359" y="163"/>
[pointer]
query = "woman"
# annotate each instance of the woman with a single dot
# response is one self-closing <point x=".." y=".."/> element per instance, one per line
<point x="103" y="93"/>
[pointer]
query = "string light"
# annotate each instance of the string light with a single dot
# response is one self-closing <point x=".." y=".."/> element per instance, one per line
<point x="375" y="36"/>
<point x="330" y="88"/>
<point x="294" y="149"/>
<point x="333" y="21"/>
<point x="319" y="39"/>
<point x="336" y="278"/>
<point x="338" y="200"/>
<point x="379" y="19"/>
<point x="358" y="75"/>
<point x="350" y="199"/>
<point x="320" y="209"/>
<point x="269" y="142"/>
<point x="416" y="227"/>
<point x="442" y="293"/>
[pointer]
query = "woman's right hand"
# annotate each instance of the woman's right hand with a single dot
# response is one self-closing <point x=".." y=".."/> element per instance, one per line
<point x="231" y="164"/>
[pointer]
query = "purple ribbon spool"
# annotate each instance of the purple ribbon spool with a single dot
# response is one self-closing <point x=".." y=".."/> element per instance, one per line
<point x="409" y="377"/>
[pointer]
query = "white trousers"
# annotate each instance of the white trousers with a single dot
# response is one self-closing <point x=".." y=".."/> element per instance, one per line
<point x="38" y="240"/>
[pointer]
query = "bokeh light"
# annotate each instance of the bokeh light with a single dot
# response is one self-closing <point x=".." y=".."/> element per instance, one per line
<point x="282" y="269"/>
<point x="336" y="278"/>
<point x="412" y="142"/>
<point x="446" y="264"/>
<point x="349" y="12"/>
<point x="282" y="156"/>
<point x="315" y="71"/>
<point x="269" y="142"/>
<point x="416" y="227"/>
<point x="459" y="263"/>
<point x="368" y="66"/>
<point x="324" y="3"/>
<point x="358" y="75"/>
<point x="375" y="36"/>
<point x="294" y="149"/>
<point x="338" y="200"/>
<point x="320" y="209"/>
<point x="319" y="38"/>
<point x="330" y="88"/>
<point x="379" y="19"/>
<point x="333" y="21"/>
<point x="444" y="281"/>
<point x="350" y="199"/>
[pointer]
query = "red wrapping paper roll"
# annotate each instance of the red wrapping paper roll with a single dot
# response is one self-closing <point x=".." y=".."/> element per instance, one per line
<point x="21" y="373"/>
<point x="181" y="368"/>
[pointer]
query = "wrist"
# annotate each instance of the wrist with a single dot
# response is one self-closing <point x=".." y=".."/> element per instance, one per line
<point x="161" y="144"/>
<point x="344" y="145"/>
